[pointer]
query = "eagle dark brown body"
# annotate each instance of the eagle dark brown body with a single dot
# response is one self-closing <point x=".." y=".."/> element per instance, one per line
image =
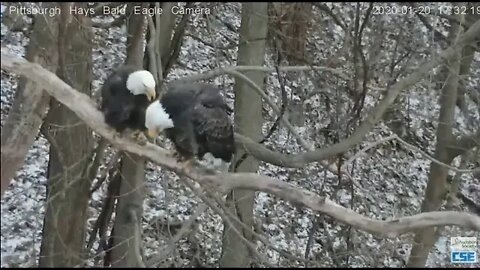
<point x="201" y="121"/>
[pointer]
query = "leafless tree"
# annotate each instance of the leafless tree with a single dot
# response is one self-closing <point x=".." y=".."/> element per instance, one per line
<point x="126" y="236"/>
<point x="248" y="122"/>
<point x="31" y="103"/>
<point x="71" y="148"/>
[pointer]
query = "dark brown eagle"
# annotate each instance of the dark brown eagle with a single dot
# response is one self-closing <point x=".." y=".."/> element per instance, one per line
<point x="201" y="122"/>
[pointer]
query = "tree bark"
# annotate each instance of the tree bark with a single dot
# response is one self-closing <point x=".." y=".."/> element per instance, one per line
<point x="71" y="145"/>
<point x="126" y="232"/>
<point x="291" y="21"/>
<point x="468" y="53"/>
<point x="437" y="180"/>
<point x="31" y="102"/>
<point x="169" y="41"/>
<point x="248" y="121"/>
<point x="135" y="28"/>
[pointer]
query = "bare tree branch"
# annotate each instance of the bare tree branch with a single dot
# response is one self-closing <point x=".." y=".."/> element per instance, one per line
<point x="176" y="43"/>
<point x="299" y="160"/>
<point x="370" y="146"/>
<point x="30" y="105"/>
<point x="185" y="229"/>
<point x="434" y="160"/>
<point x="329" y="12"/>
<point x="287" y="123"/>
<point x="86" y="110"/>
<point x="225" y="70"/>
<point x="464" y="144"/>
<point x="117" y="22"/>
<point x="427" y="24"/>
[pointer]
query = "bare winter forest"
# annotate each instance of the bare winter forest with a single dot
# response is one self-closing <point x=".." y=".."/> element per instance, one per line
<point x="357" y="134"/>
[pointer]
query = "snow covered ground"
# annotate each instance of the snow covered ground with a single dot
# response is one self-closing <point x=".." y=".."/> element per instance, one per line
<point x="393" y="178"/>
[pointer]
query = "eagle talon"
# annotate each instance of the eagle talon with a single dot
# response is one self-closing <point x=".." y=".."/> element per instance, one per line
<point x="178" y="157"/>
<point x="124" y="94"/>
<point x="140" y="138"/>
<point x="119" y="135"/>
<point x="188" y="164"/>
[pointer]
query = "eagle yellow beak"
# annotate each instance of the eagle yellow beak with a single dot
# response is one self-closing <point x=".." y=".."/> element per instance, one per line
<point x="152" y="133"/>
<point x="151" y="94"/>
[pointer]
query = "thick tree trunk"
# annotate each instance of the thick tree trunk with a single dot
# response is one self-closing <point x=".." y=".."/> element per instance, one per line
<point x="437" y="179"/>
<point x="71" y="145"/>
<point x="31" y="102"/>
<point x="126" y="232"/>
<point x="467" y="59"/>
<point x="248" y="122"/>
<point x="136" y="25"/>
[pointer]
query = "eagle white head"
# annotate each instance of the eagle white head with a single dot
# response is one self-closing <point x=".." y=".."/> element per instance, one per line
<point x="157" y="119"/>
<point x="141" y="82"/>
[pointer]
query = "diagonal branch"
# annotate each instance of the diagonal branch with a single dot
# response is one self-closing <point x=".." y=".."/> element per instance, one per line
<point x="301" y="197"/>
<point x="86" y="110"/>
<point x="301" y="159"/>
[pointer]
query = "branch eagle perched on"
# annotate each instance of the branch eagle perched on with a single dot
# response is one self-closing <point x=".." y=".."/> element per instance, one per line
<point x="194" y="116"/>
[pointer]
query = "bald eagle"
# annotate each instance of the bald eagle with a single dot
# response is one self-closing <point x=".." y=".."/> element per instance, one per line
<point x="201" y="123"/>
<point x="126" y="94"/>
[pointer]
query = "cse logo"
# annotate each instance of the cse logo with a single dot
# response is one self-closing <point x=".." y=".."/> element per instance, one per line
<point x="463" y="257"/>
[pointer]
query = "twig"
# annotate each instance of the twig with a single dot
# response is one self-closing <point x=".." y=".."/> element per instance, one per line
<point x="414" y="148"/>
<point x="176" y="43"/>
<point x="183" y="231"/>
<point x="101" y="223"/>
<point x="226" y="218"/>
<point x="222" y="71"/>
<point x="327" y="10"/>
<point x="277" y="121"/>
<point x="370" y="146"/>
<point x="290" y="127"/>
<point x="461" y="145"/>
<point x="256" y="235"/>
<point x="228" y="47"/>
<point x="92" y="167"/>
<point x="111" y="166"/>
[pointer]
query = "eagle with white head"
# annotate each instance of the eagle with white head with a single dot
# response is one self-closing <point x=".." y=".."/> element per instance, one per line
<point x="126" y="95"/>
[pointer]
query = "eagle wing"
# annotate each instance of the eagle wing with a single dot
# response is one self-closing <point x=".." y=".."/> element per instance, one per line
<point x="201" y="122"/>
<point x="117" y="102"/>
<point x="214" y="131"/>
